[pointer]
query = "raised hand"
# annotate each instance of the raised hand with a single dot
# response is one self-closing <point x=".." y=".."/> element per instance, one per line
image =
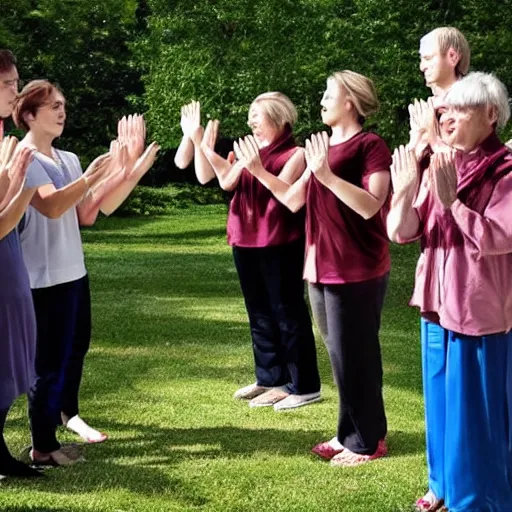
<point x="248" y="155"/>
<point x="210" y="136"/>
<point x="18" y="168"/>
<point x="132" y="133"/>
<point x="424" y="126"/>
<point x="191" y="121"/>
<point x="144" y="162"/>
<point x="7" y="147"/>
<point x="444" y="175"/>
<point x="404" y="173"/>
<point x="316" y="156"/>
<point x="97" y="169"/>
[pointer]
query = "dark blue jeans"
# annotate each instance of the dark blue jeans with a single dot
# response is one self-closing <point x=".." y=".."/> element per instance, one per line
<point x="63" y="314"/>
<point x="282" y="335"/>
<point x="348" y="316"/>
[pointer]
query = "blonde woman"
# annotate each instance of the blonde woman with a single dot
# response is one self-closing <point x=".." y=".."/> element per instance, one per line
<point x="345" y="190"/>
<point x="268" y="249"/>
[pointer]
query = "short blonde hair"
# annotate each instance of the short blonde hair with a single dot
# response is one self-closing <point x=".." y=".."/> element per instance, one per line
<point x="451" y="37"/>
<point x="480" y="89"/>
<point x="360" y="90"/>
<point x="277" y="107"/>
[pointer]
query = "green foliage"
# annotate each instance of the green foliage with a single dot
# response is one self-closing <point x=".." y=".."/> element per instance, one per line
<point x="148" y="201"/>
<point x="83" y="47"/>
<point x="224" y="53"/>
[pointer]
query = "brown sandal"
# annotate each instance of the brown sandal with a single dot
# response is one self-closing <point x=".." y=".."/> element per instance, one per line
<point x="60" y="457"/>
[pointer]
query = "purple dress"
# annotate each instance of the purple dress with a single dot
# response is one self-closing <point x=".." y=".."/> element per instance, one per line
<point x="17" y="317"/>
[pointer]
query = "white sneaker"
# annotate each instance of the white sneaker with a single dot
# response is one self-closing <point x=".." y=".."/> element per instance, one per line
<point x="294" y="401"/>
<point x="249" y="392"/>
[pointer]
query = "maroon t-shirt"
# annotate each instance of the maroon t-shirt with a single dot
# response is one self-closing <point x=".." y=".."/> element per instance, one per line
<point x="256" y="218"/>
<point x="347" y="247"/>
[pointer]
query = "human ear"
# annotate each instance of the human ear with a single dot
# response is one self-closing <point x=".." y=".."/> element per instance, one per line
<point x="453" y="57"/>
<point x="492" y="114"/>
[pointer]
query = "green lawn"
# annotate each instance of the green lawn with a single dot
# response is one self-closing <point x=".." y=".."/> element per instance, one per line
<point x="170" y="346"/>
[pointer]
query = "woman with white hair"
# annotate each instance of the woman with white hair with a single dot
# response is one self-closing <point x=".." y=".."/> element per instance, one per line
<point x="462" y="289"/>
<point x="268" y="249"/>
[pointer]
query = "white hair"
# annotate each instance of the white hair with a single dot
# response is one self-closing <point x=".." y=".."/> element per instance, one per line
<point x="480" y="89"/>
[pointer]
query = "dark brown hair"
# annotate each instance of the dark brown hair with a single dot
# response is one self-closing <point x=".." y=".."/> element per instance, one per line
<point x="31" y="98"/>
<point x="7" y="61"/>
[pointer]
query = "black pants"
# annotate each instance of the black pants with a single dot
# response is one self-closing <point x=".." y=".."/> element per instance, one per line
<point x="348" y="316"/>
<point x="282" y="335"/>
<point x="63" y="315"/>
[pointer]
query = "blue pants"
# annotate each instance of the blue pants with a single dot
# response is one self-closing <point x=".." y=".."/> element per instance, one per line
<point x="467" y="383"/>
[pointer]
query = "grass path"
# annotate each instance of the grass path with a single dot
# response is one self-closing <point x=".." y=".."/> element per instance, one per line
<point x="170" y="346"/>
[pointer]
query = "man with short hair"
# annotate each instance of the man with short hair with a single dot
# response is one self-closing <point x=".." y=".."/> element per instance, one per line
<point x="444" y="58"/>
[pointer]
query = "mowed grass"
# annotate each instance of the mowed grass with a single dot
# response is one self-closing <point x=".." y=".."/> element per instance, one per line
<point x="170" y="346"/>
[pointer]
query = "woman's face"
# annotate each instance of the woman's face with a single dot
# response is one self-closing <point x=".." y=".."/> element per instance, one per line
<point x="335" y="103"/>
<point x="264" y="131"/>
<point x="50" y="117"/>
<point x="464" y="128"/>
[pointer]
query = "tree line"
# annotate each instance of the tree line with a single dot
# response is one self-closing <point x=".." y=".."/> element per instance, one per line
<point x="152" y="56"/>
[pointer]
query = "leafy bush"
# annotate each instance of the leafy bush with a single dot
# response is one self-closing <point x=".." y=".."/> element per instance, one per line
<point x="226" y="52"/>
<point x="160" y="201"/>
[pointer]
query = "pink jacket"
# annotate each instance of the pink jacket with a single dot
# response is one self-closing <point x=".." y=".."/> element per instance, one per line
<point x="464" y="273"/>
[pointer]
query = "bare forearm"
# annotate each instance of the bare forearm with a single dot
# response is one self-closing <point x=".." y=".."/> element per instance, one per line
<point x="12" y="213"/>
<point x="292" y="196"/>
<point x="9" y="194"/>
<point x="185" y="153"/>
<point x="98" y="199"/>
<point x="356" y="198"/>
<point x="403" y="222"/>
<point x="229" y="179"/>
<point x="227" y="174"/>
<point x="61" y="200"/>
<point x="204" y="171"/>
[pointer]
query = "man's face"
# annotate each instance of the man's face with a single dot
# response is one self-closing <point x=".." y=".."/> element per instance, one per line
<point x="436" y="67"/>
<point x="8" y="91"/>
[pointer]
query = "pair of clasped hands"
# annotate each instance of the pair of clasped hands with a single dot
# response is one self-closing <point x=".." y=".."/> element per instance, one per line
<point x="441" y="174"/>
<point x="246" y="150"/>
<point x="126" y="158"/>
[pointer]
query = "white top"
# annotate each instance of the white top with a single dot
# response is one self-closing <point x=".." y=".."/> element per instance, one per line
<point x="52" y="248"/>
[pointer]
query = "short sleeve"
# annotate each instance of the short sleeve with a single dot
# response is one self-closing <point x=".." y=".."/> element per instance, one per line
<point x="36" y="175"/>
<point x="377" y="156"/>
<point x="72" y="164"/>
<point x="77" y="167"/>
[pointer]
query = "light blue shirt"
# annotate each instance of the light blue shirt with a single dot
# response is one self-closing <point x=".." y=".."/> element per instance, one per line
<point x="52" y="248"/>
